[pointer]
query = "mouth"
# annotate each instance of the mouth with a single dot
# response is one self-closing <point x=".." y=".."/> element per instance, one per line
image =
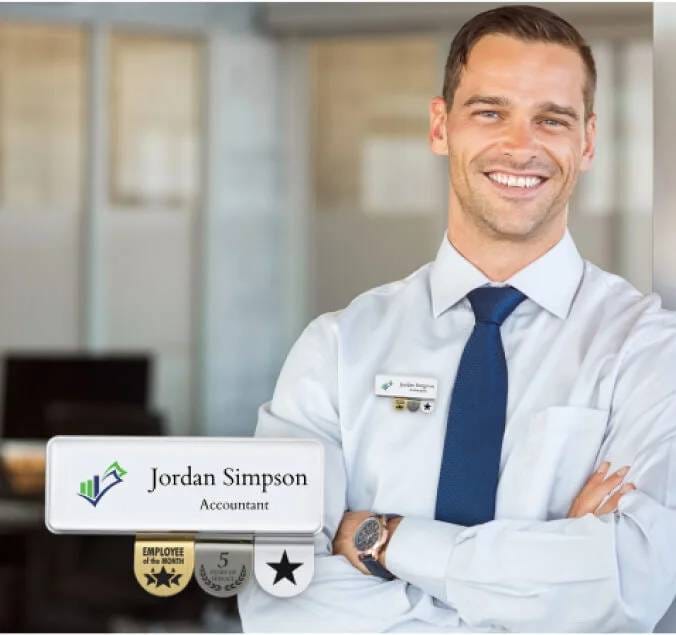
<point x="516" y="185"/>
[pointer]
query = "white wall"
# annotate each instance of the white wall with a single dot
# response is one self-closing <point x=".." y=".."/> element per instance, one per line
<point x="200" y="291"/>
<point x="244" y="234"/>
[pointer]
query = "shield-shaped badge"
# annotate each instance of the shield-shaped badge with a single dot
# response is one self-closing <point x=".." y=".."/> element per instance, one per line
<point x="223" y="569"/>
<point x="163" y="565"/>
<point x="283" y="569"/>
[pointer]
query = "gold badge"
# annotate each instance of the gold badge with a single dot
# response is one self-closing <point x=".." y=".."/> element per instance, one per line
<point x="399" y="404"/>
<point x="163" y="565"/>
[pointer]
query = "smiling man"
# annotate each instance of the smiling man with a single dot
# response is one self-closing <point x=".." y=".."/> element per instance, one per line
<point x="517" y="123"/>
<point x="471" y="412"/>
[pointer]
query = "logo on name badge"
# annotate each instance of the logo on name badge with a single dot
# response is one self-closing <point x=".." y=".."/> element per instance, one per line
<point x="285" y="569"/>
<point x="223" y="569"/>
<point x="93" y="489"/>
<point x="164" y="566"/>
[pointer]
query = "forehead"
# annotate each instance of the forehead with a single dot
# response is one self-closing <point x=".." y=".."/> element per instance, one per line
<point x="500" y="64"/>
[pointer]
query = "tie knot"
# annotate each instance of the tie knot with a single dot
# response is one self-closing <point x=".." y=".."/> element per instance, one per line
<point x="494" y="304"/>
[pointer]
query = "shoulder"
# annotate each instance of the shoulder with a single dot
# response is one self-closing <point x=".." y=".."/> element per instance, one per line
<point x="383" y="302"/>
<point x="646" y="328"/>
<point x="620" y="297"/>
<point x="613" y="292"/>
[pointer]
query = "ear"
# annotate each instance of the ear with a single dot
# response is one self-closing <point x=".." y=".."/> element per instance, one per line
<point x="437" y="132"/>
<point x="589" y="143"/>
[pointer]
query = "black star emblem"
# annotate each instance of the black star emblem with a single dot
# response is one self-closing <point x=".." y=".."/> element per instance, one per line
<point x="163" y="578"/>
<point x="284" y="568"/>
<point x="427" y="406"/>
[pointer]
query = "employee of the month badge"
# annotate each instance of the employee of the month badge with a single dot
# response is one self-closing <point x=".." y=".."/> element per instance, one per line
<point x="163" y="565"/>
<point x="223" y="569"/>
<point x="283" y="569"/>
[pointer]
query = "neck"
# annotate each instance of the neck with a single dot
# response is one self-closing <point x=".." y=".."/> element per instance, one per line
<point x="499" y="258"/>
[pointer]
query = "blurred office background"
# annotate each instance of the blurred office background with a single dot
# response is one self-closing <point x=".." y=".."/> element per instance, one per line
<point x="184" y="186"/>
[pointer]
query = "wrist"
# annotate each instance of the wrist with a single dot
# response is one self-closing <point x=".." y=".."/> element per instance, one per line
<point x="391" y="525"/>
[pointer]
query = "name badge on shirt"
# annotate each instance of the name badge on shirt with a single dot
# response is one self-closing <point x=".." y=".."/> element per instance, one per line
<point x="424" y="388"/>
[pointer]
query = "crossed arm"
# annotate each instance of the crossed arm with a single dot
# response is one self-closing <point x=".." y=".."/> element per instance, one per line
<point x="600" y="495"/>
<point x="611" y="572"/>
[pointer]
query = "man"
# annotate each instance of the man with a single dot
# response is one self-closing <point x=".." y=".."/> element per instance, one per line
<point x="541" y="374"/>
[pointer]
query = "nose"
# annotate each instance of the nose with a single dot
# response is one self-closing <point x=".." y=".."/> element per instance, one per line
<point x="519" y="142"/>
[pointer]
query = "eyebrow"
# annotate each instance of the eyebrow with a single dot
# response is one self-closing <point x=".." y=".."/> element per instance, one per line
<point x="566" y="111"/>
<point x="546" y="106"/>
<point x="492" y="100"/>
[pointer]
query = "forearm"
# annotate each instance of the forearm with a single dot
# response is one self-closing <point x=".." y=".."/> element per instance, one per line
<point x="578" y="574"/>
<point x="339" y="598"/>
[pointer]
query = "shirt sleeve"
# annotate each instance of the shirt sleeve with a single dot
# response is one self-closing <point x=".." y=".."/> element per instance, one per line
<point x="615" y="572"/>
<point x="340" y="597"/>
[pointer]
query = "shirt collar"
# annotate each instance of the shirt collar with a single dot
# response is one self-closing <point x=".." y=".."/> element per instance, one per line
<point x="551" y="280"/>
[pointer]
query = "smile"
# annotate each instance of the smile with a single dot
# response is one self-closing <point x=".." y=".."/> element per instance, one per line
<point x="520" y="186"/>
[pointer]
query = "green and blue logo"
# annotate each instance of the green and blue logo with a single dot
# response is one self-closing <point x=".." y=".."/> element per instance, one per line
<point x="387" y="385"/>
<point x="93" y="489"/>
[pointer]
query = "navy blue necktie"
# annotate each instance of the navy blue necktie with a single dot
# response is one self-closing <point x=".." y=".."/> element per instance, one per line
<point x="468" y="478"/>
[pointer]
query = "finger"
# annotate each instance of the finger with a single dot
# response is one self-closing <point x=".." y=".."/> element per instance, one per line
<point x="601" y="476"/>
<point x="602" y="469"/>
<point x="622" y="472"/>
<point x="611" y="504"/>
<point x="612" y="481"/>
<point x="597" y="489"/>
<point x="595" y="479"/>
<point x="598" y="476"/>
<point x="595" y="497"/>
<point x="606" y="483"/>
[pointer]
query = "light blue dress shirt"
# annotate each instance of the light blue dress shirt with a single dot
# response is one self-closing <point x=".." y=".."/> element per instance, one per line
<point x="592" y="377"/>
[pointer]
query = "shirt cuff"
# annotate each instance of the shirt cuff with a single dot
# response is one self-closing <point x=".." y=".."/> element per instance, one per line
<point x="419" y="552"/>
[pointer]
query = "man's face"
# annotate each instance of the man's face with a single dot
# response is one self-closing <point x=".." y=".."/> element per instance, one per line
<point x="516" y="136"/>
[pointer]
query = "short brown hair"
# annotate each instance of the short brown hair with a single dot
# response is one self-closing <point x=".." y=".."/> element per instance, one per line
<point x="524" y="22"/>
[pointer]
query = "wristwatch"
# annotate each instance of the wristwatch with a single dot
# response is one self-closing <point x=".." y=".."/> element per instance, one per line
<point x="369" y="538"/>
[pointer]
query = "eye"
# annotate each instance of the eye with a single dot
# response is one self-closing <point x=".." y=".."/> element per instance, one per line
<point x="555" y="123"/>
<point x="487" y="114"/>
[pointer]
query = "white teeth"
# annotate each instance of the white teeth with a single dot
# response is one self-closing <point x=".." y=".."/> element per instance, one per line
<point x="515" y="181"/>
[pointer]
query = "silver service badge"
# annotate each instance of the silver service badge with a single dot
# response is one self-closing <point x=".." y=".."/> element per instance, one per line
<point x="223" y="569"/>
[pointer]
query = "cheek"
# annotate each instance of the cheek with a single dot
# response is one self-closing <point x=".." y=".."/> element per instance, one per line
<point x="567" y="155"/>
<point x="465" y="151"/>
<point x="465" y="138"/>
<point x="572" y="167"/>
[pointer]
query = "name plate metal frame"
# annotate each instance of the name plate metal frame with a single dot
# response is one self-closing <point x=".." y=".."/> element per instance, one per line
<point x="171" y="492"/>
<point x="184" y="485"/>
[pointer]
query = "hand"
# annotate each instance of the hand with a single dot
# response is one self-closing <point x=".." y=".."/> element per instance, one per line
<point x="343" y="541"/>
<point x="596" y="488"/>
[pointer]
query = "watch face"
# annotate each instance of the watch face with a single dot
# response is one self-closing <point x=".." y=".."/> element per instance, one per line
<point x="367" y="534"/>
